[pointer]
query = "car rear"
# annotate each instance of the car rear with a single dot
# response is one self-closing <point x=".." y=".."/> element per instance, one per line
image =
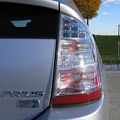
<point x="50" y="67"/>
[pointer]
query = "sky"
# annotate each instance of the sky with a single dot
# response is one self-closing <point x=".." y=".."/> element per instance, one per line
<point x="108" y="19"/>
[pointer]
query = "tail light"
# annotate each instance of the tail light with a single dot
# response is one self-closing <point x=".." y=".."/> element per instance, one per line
<point x="77" y="78"/>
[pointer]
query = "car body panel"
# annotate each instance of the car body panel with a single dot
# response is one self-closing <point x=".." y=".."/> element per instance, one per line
<point x="76" y="112"/>
<point x="44" y="3"/>
<point x="69" y="7"/>
<point x="39" y="67"/>
<point x="26" y="65"/>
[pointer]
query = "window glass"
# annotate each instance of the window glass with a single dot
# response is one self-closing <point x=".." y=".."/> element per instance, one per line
<point x="27" y="21"/>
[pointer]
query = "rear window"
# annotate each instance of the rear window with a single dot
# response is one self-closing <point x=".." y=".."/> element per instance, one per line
<point x="27" y="21"/>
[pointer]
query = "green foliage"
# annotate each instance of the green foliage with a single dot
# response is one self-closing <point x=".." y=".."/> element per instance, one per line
<point x="108" y="47"/>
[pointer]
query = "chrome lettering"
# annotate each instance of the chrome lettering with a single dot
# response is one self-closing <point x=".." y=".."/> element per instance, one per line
<point x="21" y="94"/>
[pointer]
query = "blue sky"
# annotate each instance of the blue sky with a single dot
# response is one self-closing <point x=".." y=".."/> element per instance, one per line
<point x="108" y="19"/>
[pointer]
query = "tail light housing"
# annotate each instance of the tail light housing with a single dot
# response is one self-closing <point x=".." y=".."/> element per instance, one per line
<point x="77" y="75"/>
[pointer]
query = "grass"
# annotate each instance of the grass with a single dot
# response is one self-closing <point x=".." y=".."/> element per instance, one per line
<point x="108" y="47"/>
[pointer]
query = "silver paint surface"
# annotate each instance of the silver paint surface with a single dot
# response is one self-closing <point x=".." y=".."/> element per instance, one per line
<point x="25" y="65"/>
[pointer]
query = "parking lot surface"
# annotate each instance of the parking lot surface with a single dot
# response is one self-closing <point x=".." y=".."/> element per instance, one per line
<point x="113" y="80"/>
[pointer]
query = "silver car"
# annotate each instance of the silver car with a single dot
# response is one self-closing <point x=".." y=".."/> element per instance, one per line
<point x="50" y="67"/>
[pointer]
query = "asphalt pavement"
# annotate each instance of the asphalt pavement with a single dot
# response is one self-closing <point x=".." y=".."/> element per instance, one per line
<point x="113" y="81"/>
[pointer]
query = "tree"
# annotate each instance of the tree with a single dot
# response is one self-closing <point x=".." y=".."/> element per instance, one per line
<point x="88" y="8"/>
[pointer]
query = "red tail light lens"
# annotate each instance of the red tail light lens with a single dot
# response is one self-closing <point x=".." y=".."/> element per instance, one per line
<point x="77" y="79"/>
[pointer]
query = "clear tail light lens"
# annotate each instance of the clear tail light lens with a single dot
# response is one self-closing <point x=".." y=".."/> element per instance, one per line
<point x="77" y="79"/>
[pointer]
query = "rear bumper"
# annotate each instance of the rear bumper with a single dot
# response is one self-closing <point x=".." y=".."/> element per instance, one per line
<point x="95" y="111"/>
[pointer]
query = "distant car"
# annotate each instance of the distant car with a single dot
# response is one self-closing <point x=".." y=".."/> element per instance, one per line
<point x="50" y="67"/>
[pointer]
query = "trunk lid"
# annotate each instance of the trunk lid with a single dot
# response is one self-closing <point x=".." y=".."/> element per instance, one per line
<point x="26" y="75"/>
<point x="27" y="52"/>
